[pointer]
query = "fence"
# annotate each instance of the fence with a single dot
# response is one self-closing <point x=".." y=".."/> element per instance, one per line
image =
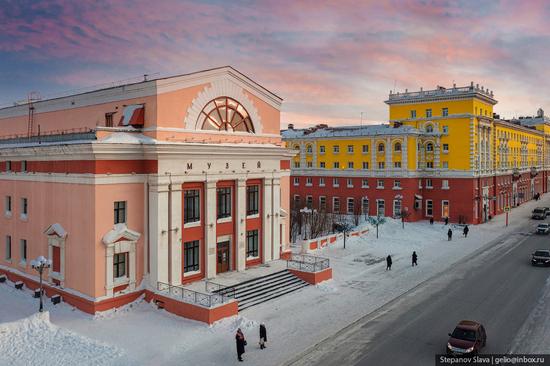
<point x="307" y="263"/>
<point x="193" y="297"/>
<point x="216" y="288"/>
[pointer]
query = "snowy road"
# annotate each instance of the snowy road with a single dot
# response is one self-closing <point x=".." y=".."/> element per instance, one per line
<point x="496" y="286"/>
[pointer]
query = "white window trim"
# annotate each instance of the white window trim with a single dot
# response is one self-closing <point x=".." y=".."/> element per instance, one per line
<point x="426" y="208"/>
<point x="192" y="224"/>
<point x="224" y="220"/>
<point x="378" y="209"/>
<point x="347" y="205"/>
<point x="321" y="183"/>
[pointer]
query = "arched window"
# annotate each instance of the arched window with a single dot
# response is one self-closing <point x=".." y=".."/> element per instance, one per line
<point x="429" y="146"/>
<point x="296" y="147"/>
<point x="380" y="147"/>
<point x="397" y="146"/>
<point x="309" y="149"/>
<point x="429" y="128"/>
<point x="225" y="114"/>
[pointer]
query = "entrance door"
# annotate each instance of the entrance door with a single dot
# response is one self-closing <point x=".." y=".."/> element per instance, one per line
<point x="223" y="257"/>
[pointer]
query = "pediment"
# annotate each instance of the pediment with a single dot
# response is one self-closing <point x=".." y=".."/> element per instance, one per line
<point x="120" y="232"/>
<point x="57" y="230"/>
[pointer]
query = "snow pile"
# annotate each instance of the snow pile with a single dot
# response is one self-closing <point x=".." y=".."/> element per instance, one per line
<point x="230" y="325"/>
<point x="127" y="138"/>
<point x="36" y="341"/>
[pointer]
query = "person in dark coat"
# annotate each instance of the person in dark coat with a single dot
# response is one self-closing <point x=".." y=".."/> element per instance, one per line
<point x="446" y="221"/>
<point x="388" y="262"/>
<point x="241" y="342"/>
<point x="465" y="231"/>
<point x="414" y="259"/>
<point x="431" y="220"/>
<point x="263" y="336"/>
<point x="450" y="234"/>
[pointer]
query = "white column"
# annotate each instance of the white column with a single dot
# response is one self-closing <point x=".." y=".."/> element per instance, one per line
<point x="158" y="216"/>
<point x="389" y="154"/>
<point x="276" y="229"/>
<point x="373" y="152"/>
<point x="210" y="227"/>
<point x="133" y="265"/>
<point x="405" y="154"/>
<point x="175" y="234"/>
<point x="240" y="223"/>
<point x="267" y="219"/>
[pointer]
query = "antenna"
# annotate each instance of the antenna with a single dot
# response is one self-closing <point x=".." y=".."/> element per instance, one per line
<point x="32" y="96"/>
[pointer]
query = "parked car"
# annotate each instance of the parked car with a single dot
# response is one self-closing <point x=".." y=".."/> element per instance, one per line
<point x="539" y="213"/>
<point x="546" y="210"/>
<point x="468" y="338"/>
<point x="540" y="257"/>
<point x="543" y="228"/>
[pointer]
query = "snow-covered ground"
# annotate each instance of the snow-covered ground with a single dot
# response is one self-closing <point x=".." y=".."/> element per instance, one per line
<point x="139" y="334"/>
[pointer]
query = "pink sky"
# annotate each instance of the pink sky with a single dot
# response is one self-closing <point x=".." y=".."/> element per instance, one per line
<point x="330" y="61"/>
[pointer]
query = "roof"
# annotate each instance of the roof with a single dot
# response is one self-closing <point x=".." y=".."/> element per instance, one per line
<point x="468" y="324"/>
<point x="442" y="93"/>
<point x="533" y="121"/>
<point x="346" y="131"/>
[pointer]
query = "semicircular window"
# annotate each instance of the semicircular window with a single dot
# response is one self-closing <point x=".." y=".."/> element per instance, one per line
<point x="225" y="114"/>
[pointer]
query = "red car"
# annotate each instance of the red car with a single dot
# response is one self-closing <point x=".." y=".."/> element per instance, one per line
<point x="467" y="339"/>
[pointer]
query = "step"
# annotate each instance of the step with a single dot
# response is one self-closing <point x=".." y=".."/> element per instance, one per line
<point x="270" y="294"/>
<point x="255" y="286"/>
<point x="257" y="279"/>
<point x="249" y="305"/>
<point x="262" y="290"/>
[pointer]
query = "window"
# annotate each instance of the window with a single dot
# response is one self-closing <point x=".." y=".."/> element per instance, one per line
<point x="336" y="149"/>
<point x="445" y="148"/>
<point x="420" y="184"/>
<point x="397" y="147"/>
<point x="23" y="250"/>
<point x="445" y="184"/>
<point x="119" y="265"/>
<point x="417" y="204"/>
<point x="226" y="114"/>
<point x="335" y="182"/>
<point x="309" y="149"/>
<point x="364" y="183"/>
<point x="322" y="149"/>
<point x="296" y="164"/>
<point x="429" y="129"/>
<point x="253" y="199"/>
<point x="365" y="206"/>
<point x="351" y="205"/>
<point x="380" y="208"/>
<point x="191" y="256"/>
<point x="365" y="149"/>
<point x="445" y="164"/>
<point x="413" y="113"/>
<point x="296" y="181"/>
<point x="396" y="183"/>
<point x="310" y="164"/>
<point x="445" y="129"/>
<point x="428" y="113"/>
<point x="380" y="183"/>
<point x="191" y="206"/>
<point x="350" y="149"/>
<point x="252" y="244"/>
<point x="430" y="164"/>
<point x="224" y="202"/>
<point x="397" y="208"/>
<point x="445" y="112"/>
<point x="365" y="165"/>
<point x="380" y="147"/>
<point x="109" y="119"/>
<point x="7" y="205"/>
<point x="321" y="182"/>
<point x="336" y="165"/>
<point x="429" y="208"/>
<point x="429" y="146"/>
<point x="8" y="166"/>
<point x="24" y="208"/>
<point x="309" y="181"/>
<point x="120" y="212"/>
<point x="381" y="165"/>
<point x="322" y="164"/>
<point x="429" y="183"/>
<point x="24" y="166"/>
<point x="350" y="183"/>
<point x="297" y="202"/>
<point x="7" y="255"/>
<point x="322" y="203"/>
<point x="335" y="204"/>
<point x="445" y="208"/>
<point x="397" y="164"/>
<point x="350" y="164"/>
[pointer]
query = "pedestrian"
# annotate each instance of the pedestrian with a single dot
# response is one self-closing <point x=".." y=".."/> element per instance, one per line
<point x="241" y="342"/>
<point x="388" y="262"/>
<point x="431" y="220"/>
<point x="263" y="336"/>
<point x="465" y="231"/>
<point x="446" y="221"/>
<point x="414" y="259"/>
<point x="450" y="234"/>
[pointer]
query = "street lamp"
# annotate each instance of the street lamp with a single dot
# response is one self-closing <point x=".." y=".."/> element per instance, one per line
<point x="40" y="264"/>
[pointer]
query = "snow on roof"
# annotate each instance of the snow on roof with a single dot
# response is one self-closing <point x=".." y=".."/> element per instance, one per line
<point x="127" y="138"/>
<point x="347" y="131"/>
<point x="120" y="231"/>
<point x="56" y="229"/>
<point x="533" y="121"/>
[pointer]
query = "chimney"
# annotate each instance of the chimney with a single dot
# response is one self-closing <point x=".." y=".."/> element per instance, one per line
<point x="291" y="126"/>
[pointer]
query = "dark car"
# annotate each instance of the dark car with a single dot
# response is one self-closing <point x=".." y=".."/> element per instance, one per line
<point x="539" y="213"/>
<point x="540" y="257"/>
<point x="543" y="228"/>
<point x="468" y="339"/>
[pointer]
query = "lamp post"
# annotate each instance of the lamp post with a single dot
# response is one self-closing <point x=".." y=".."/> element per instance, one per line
<point x="306" y="210"/>
<point x="40" y="264"/>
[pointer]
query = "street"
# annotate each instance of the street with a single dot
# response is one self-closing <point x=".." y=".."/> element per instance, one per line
<point x="496" y="286"/>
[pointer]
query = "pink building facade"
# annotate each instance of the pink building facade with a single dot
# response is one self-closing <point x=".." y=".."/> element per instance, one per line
<point x="167" y="181"/>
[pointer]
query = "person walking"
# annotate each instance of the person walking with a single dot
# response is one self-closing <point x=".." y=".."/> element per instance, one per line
<point x="241" y="342"/>
<point x="465" y="231"/>
<point x="414" y="259"/>
<point x="446" y="221"/>
<point x="263" y="336"/>
<point x="388" y="262"/>
<point x="450" y="234"/>
<point x="431" y="220"/>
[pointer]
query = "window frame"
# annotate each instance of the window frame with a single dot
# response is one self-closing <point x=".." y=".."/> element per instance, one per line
<point x="191" y="257"/>
<point x="252" y="199"/>
<point x="334" y="201"/>
<point x="23" y="250"/>
<point x="117" y="211"/>
<point x="429" y="206"/>
<point x="191" y="210"/>
<point x="252" y="244"/>
<point x="118" y="264"/>
<point x="224" y="202"/>
<point x="8" y="249"/>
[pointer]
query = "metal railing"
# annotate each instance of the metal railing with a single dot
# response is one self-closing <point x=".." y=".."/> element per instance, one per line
<point x="193" y="297"/>
<point x="212" y="287"/>
<point x="80" y="133"/>
<point x="307" y="263"/>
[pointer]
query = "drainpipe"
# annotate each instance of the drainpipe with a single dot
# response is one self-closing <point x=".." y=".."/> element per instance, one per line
<point x="169" y="229"/>
<point x="148" y="230"/>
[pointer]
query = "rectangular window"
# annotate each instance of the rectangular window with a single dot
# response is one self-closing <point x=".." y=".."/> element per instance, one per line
<point x="336" y="149"/>
<point x="336" y="165"/>
<point x="445" y="129"/>
<point x="296" y="164"/>
<point x="321" y="182"/>
<point x="413" y="113"/>
<point x="23" y="250"/>
<point x="335" y="182"/>
<point x="364" y="183"/>
<point x="429" y="183"/>
<point x="397" y="164"/>
<point x="296" y="181"/>
<point x="224" y="202"/>
<point x="24" y="207"/>
<point x="191" y="256"/>
<point x="191" y="206"/>
<point x="445" y="184"/>
<point x="24" y="166"/>
<point x="381" y="165"/>
<point x="309" y="201"/>
<point x="445" y="148"/>
<point x="322" y="203"/>
<point x="445" y="208"/>
<point x="351" y="206"/>
<point x="428" y="113"/>
<point x="297" y="202"/>
<point x="119" y="265"/>
<point x="7" y="255"/>
<point x="120" y="212"/>
<point x="309" y="182"/>
<point x="8" y="166"/>
<point x="7" y="205"/>
<point x="365" y="165"/>
<point x="252" y="200"/>
<point x="335" y="204"/>
<point x="380" y="183"/>
<point x="322" y="164"/>
<point x="365" y="206"/>
<point x="365" y="149"/>
<point x="350" y="183"/>
<point x="445" y="164"/>
<point x="420" y="184"/>
<point x="396" y="183"/>
<point x="350" y="149"/>
<point x="397" y="208"/>
<point x="322" y="149"/>
<point x="252" y="244"/>
<point x="109" y="119"/>
<point x="310" y="164"/>
<point x="429" y="208"/>
<point x="380" y="207"/>
<point x="430" y="164"/>
<point x="350" y="164"/>
<point x="417" y="203"/>
<point x="445" y="112"/>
